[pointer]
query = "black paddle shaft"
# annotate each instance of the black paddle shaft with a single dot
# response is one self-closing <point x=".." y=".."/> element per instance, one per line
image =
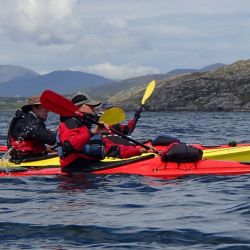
<point x="119" y="133"/>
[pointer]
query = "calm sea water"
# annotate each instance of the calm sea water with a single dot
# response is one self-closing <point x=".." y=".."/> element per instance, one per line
<point x="133" y="212"/>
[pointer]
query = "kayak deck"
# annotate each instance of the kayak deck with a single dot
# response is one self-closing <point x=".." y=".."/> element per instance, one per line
<point x="239" y="153"/>
<point x="221" y="152"/>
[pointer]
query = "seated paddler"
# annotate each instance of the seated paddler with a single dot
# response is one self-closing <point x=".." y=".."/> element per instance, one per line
<point x="28" y="136"/>
<point x="126" y="129"/>
<point x="81" y="143"/>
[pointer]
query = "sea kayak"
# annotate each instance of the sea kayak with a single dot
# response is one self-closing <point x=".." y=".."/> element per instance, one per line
<point x="240" y="153"/>
<point x="145" y="165"/>
<point x="3" y="148"/>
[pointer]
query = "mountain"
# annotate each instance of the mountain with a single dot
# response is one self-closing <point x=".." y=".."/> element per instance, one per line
<point x="19" y="81"/>
<point x="112" y="88"/>
<point x="207" y="68"/>
<point x="212" y="67"/>
<point x="181" y="71"/>
<point x="115" y="87"/>
<point x="59" y="81"/>
<point x="11" y="72"/>
<point x="225" y="89"/>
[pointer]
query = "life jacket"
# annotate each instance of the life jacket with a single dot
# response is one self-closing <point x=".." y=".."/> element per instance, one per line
<point x="22" y="148"/>
<point x="116" y="139"/>
<point x="124" y="129"/>
<point x="120" y="151"/>
<point x="93" y="150"/>
<point x="26" y="148"/>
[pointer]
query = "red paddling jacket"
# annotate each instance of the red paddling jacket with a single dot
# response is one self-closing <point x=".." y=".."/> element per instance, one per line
<point x="77" y="146"/>
<point x="126" y="129"/>
<point x="76" y="141"/>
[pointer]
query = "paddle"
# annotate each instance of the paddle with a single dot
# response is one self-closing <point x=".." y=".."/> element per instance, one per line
<point x="148" y="92"/>
<point x="113" y="116"/>
<point x="62" y="106"/>
<point x="59" y="104"/>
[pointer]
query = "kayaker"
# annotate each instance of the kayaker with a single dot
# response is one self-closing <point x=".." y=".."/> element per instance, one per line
<point x="81" y="143"/>
<point x="126" y="129"/>
<point x="27" y="134"/>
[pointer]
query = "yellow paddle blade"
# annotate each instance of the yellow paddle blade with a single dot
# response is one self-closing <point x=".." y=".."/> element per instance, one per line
<point x="113" y="116"/>
<point x="148" y="92"/>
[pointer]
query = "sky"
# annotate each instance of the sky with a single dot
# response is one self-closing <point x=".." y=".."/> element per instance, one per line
<point x="120" y="39"/>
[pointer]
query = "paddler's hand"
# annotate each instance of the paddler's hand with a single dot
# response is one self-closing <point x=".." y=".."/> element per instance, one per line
<point x="137" y="115"/>
<point x="144" y="150"/>
<point x="51" y="149"/>
<point x="100" y="129"/>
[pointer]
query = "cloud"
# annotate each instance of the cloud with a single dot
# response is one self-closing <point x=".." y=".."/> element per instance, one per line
<point x="118" y="72"/>
<point x="53" y="22"/>
<point x="117" y="23"/>
<point x="42" y="22"/>
<point x="162" y="34"/>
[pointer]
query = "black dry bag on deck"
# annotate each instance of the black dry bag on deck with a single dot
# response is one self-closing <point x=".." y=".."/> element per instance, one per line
<point x="181" y="152"/>
<point x="164" y="140"/>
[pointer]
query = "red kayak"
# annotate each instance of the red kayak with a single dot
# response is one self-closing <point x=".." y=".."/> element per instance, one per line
<point x="3" y="148"/>
<point x="148" y="165"/>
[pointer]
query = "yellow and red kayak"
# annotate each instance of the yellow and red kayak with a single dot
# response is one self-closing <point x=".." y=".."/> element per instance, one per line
<point x="241" y="152"/>
<point x="146" y="165"/>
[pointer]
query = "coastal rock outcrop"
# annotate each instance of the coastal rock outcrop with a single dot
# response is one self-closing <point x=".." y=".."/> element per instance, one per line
<point x="225" y="89"/>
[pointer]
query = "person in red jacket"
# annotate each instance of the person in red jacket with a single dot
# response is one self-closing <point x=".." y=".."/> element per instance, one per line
<point x="126" y="129"/>
<point x="80" y="142"/>
<point x="28" y="135"/>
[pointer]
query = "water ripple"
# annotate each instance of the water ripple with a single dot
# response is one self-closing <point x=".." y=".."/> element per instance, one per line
<point x="89" y="235"/>
<point x="130" y="211"/>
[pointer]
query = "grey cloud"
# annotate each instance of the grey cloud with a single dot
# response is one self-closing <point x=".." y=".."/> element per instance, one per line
<point x="158" y="35"/>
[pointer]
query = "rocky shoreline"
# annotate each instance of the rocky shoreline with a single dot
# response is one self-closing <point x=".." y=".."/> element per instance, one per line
<point x="225" y="89"/>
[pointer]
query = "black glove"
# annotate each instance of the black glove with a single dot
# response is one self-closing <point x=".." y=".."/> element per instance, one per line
<point x="137" y="115"/>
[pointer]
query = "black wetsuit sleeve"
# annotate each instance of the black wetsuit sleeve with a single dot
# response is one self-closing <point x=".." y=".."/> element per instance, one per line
<point x="44" y="135"/>
<point x="34" y="129"/>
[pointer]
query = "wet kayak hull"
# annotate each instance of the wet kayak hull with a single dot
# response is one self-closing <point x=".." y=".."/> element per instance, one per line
<point x="152" y="167"/>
